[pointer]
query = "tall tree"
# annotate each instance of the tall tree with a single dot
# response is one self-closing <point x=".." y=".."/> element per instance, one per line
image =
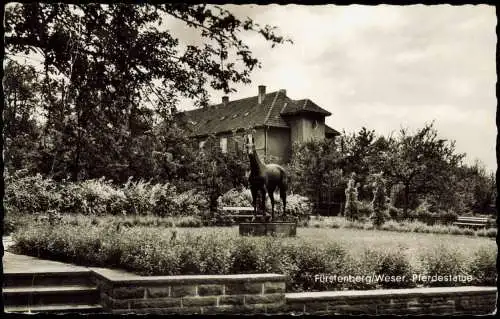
<point x="316" y="171"/>
<point x="107" y="60"/>
<point x="424" y="164"/>
<point x="21" y="132"/>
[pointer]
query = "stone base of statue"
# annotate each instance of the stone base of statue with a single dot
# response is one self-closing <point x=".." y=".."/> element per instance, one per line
<point x="278" y="229"/>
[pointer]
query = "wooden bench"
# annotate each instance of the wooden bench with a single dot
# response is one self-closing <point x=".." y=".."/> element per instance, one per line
<point x="471" y="222"/>
<point x="240" y="213"/>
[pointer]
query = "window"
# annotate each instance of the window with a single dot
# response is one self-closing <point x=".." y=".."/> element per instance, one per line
<point x="202" y="145"/>
<point x="315" y="124"/>
<point x="223" y="144"/>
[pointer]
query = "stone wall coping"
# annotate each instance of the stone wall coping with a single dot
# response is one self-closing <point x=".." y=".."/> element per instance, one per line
<point x="270" y="223"/>
<point x="410" y="292"/>
<point x="123" y="277"/>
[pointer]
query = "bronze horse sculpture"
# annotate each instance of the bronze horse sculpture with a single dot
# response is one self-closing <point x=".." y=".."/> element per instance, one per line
<point x="264" y="179"/>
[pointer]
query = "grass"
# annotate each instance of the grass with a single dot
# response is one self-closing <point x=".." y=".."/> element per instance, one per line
<point x="405" y="226"/>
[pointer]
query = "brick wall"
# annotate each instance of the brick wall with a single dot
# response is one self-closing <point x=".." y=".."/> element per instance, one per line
<point x="443" y="301"/>
<point x="123" y="292"/>
<point x="252" y="293"/>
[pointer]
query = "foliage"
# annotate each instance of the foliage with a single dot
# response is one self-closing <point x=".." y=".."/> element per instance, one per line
<point x="155" y="251"/>
<point x="363" y="153"/>
<point x="217" y="172"/>
<point x="443" y="260"/>
<point x="25" y="194"/>
<point x="351" y="211"/>
<point x="315" y="165"/>
<point x="30" y="195"/>
<point x="298" y="207"/>
<point x="403" y="226"/>
<point x="483" y="266"/>
<point x="423" y="164"/>
<point x="379" y="202"/>
<point x="395" y="263"/>
<point x="97" y="109"/>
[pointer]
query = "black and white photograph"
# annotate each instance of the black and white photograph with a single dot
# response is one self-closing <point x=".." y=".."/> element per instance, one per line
<point x="249" y="159"/>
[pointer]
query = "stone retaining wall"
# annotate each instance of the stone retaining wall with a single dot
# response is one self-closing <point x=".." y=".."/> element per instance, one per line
<point x="448" y="300"/>
<point x="252" y="293"/>
<point x="121" y="292"/>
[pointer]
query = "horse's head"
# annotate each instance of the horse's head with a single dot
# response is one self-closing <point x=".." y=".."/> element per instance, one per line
<point x="249" y="144"/>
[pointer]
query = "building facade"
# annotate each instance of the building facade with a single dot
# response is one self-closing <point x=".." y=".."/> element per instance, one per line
<point x="275" y="120"/>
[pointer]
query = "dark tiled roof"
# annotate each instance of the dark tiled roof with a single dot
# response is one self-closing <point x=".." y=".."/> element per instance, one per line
<point x="244" y="114"/>
<point x="330" y="131"/>
<point x="304" y="105"/>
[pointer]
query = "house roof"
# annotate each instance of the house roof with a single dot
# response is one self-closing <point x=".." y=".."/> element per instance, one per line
<point x="330" y="131"/>
<point x="304" y="106"/>
<point x="246" y="114"/>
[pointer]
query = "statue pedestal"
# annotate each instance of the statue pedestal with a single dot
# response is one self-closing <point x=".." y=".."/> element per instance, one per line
<point x="279" y="229"/>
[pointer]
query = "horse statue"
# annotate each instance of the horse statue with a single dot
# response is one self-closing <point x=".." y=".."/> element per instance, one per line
<point x="264" y="179"/>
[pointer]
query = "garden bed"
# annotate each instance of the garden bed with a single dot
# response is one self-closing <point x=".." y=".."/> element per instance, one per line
<point x="402" y="226"/>
<point x="343" y="252"/>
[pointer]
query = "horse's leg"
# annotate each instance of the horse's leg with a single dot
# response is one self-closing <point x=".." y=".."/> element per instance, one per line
<point x="263" y="192"/>
<point x="271" y="197"/>
<point x="254" y="202"/>
<point x="283" y="198"/>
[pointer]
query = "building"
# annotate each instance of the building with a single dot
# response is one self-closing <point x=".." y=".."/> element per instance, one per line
<point x="278" y="122"/>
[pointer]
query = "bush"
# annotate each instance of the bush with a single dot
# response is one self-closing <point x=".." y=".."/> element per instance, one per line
<point x="442" y="260"/>
<point x="394" y="263"/>
<point x="190" y="203"/>
<point x="447" y="217"/>
<point x="351" y="210"/>
<point x="483" y="267"/>
<point x="490" y="232"/>
<point x="29" y="194"/>
<point x="154" y="251"/>
<point x="298" y="207"/>
<point x="94" y="197"/>
<point x="379" y="202"/>
<point x="395" y="213"/>
<point x="365" y="209"/>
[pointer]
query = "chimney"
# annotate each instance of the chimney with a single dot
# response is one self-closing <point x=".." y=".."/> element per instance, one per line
<point x="262" y="93"/>
<point x="225" y="100"/>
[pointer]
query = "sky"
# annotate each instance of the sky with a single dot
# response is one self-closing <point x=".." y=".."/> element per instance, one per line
<point x="383" y="67"/>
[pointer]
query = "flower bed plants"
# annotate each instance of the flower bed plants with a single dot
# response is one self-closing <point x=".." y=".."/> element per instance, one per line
<point x="401" y="226"/>
<point x="157" y="251"/>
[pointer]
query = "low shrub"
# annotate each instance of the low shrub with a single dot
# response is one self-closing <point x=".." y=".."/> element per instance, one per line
<point x="489" y="232"/>
<point x="26" y="194"/>
<point x="390" y="225"/>
<point x="443" y="261"/>
<point x="155" y="251"/>
<point x="483" y="267"/>
<point x="298" y="207"/>
<point x="447" y="217"/>
<point x="190" y="203"/>
<point x="365" y="209"/>
<point x="395" y="213"/>
<point x="395" y="265"/>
